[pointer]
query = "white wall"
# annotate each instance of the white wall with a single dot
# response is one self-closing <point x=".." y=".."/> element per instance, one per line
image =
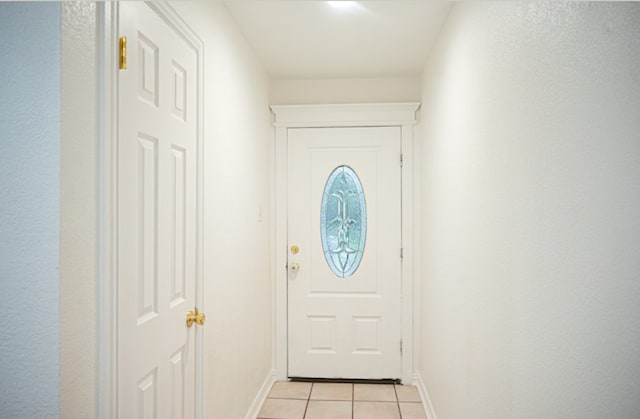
<point x="360" y="90"/>
<point x="531" y="193"/>
<point x="237" y="271"/>
<point x="29" y="209"/>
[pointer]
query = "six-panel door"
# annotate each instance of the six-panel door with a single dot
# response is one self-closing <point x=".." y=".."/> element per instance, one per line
<point x="156" y="218"/>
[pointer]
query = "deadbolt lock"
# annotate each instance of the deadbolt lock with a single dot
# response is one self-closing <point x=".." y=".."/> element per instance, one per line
<point x="295" y="249"/>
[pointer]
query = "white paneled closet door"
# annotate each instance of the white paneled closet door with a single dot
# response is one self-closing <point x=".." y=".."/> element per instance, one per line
<point x="157" y="217"/>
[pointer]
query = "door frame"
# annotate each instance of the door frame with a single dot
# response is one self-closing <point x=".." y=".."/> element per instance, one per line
<point x="401" y="115"/>
<point x="108" y="24"/>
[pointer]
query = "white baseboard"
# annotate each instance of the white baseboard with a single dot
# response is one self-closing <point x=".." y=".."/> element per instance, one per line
<point x="258" y="401"/>
<point x="424" y="395"/>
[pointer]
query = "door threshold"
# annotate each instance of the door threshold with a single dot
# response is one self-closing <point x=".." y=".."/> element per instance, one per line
<point x="346" y="380"/>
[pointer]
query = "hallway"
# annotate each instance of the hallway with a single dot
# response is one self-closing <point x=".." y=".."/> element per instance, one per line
<point x="525" y="255"/>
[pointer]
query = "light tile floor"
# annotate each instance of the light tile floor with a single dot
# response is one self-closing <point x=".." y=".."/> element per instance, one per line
<point x="294" y="400"/>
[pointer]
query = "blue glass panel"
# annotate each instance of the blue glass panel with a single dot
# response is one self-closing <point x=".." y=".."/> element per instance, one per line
<point x="343" y="221"/>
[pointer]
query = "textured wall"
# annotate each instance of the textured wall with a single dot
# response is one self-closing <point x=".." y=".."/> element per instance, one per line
<point x="531" y="193"/>
<point x="237" y="251"/>
<point x="29" y="209"/>
<point x="78" y="212"/>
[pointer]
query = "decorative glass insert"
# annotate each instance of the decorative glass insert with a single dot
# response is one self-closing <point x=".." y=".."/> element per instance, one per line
<point x="343" y="221"/>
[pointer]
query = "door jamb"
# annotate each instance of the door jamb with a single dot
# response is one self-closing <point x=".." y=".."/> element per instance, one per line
<point x="401" y="115"/>
<point x="108" y="24"/>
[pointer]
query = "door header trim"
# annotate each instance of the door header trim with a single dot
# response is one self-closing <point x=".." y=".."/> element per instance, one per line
<point x="352" y="115"/>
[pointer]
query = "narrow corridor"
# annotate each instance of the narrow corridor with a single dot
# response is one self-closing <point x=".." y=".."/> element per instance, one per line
<point x="298" y="400"/>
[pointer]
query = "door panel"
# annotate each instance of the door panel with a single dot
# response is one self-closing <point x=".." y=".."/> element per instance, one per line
<point x="344" y="327"/>
<point x="157" y="218"/>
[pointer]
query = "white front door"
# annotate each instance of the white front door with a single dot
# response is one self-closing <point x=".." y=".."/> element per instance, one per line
<point x="157" y="214"/>
<point x="344" y="262"/>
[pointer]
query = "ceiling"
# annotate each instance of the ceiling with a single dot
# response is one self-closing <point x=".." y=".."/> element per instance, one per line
<point x="301" y="39"/>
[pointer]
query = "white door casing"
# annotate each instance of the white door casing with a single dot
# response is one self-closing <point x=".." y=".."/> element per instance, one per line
<point x="156" y="225"/>
<point x="289" y="117"/>
<point x="345" y="327"/>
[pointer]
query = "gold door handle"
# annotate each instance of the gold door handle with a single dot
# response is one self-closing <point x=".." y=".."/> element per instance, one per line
<point x="195" y="317"/>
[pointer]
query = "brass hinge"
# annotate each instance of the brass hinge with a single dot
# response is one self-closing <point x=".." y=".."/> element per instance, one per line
<point x="401" y="159"/>
<point x="123" y="53"/>
<point x="400" y="346"/>
<point x="402" y="253"/>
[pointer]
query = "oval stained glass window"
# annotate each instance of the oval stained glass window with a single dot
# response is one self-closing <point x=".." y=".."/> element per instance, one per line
<point x="343" y="221"/>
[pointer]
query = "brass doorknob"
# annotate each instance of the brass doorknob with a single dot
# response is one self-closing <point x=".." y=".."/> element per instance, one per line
<point x="195" y="317"/>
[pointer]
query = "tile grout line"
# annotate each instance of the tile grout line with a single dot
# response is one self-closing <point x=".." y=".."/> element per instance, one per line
<point x="308" y="398"/>
<point x="353" y="400"/>
<point x="395" y="390"/>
